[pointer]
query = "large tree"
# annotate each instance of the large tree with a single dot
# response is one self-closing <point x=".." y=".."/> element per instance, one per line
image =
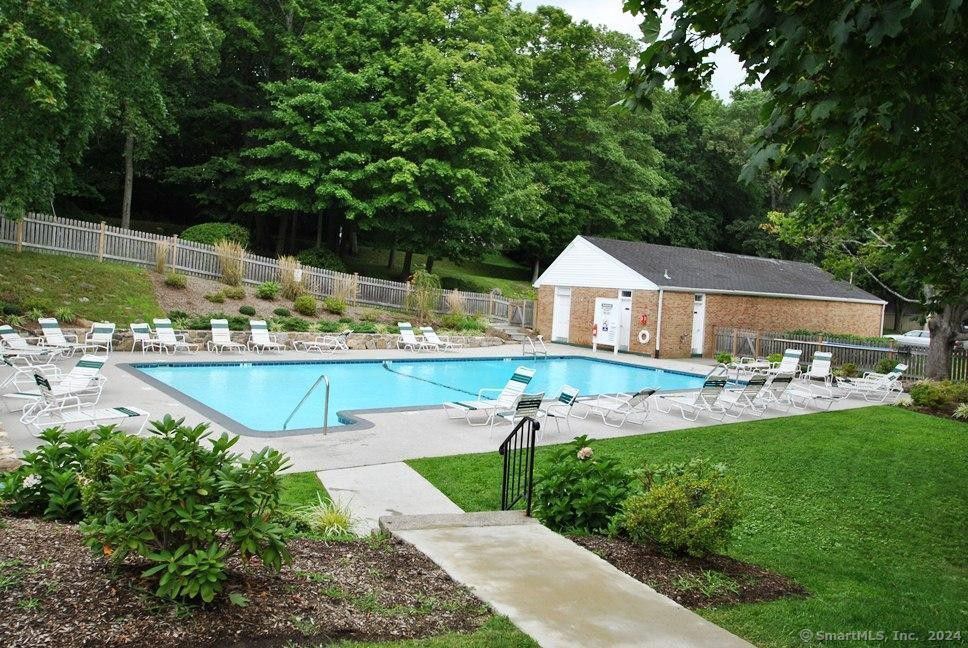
<point x="865" y="122"/>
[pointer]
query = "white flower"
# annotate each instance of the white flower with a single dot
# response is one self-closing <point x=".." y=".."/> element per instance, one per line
<point x="584" y="453"/>
<point x="31" y="481"/>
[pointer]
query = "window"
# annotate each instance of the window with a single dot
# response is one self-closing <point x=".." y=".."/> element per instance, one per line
<point x="699" y="297"/>
<point x="626" y="293"/>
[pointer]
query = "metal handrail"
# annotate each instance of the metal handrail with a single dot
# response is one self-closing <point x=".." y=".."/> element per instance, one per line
<point x="534" y="350"/>
<point x="309" y="391"/>
<point x="517" y="476"/>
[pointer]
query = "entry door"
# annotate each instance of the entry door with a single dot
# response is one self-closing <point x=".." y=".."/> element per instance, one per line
<point x="698" y="323"/>
<point x="625" y="308"/>
<point x="562" y="315"/>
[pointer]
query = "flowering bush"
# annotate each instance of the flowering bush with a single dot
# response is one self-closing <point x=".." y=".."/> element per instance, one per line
<point x="576" y="491"/>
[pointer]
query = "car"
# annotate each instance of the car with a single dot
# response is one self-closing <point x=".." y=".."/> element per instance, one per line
<point x="916" y="338"/>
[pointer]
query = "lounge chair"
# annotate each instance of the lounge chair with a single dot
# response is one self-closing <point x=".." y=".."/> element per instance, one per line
<point x="483" y="409"/>
<point x="222" y="338"/>
<point x="444" y="344"/>
<point x="13" y="343"/>
<point x="170" y="341"/>
<point x="54" y="409"/>
<point x="627" y="407"/>
<point x="325" y="343"/>
<point x="528" y="405"/>
<point x="260" y="340"/>
<point x="819" y="368"/>
<point x="23" y="366"/>
<point x="84" y="382"/>
<point x="141" y="335"/>
<point x="875" y="387"/>
<point x="409" y="341"/>
<point x="55" y="337"/>
<point x="706" y="399"/>
<point x="734" y="402"/>
<point x="101" y="336"/>
<point x="562" y="409"/>
<point x="790" y="364"/>
<point x="748" y="365"/>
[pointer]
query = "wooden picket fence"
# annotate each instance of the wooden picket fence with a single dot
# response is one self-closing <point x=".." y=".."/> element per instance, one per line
<point x="100" y="241"/>
<point x="862" y="353"/>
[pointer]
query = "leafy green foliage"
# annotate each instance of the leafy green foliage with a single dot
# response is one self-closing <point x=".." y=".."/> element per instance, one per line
<point x="184" y="502"/>
<point x="321" y="257"/>
<point x="334" y="305"/>
<point x="216" y="297"/>
<point x="175" y="280"/>
<point x="291" y="324"/>
<point x="961" y="412"/>
<point x="885" y="365"/>
<point x="847" y="370"/>
<point x="724" y="358"/>
<point x="939" y="395"/>
<point x="282" y="312"/>
<point x="247" y="310"/>
<point x="774" y="358"/>
<point x="268" y="290"/>
<point x="424" y="294"/>
<point x="462" y="322"/>
<point x="65" y="315"/>
<point x="305" y="305"/>
<point x="212" y="233"/>
<point x="324" y="517"/>
<point x="576" y="491"/>
<point x="234" y="292"/>
<point x="685" y="508"/>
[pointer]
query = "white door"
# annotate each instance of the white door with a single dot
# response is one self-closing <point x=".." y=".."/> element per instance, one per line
<point x="561" y="315"/>
<point x="698" y="323"/>
<point x="625" y="314"/>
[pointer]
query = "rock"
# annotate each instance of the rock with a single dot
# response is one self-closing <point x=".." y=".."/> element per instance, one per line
<point x="9" y="460"/>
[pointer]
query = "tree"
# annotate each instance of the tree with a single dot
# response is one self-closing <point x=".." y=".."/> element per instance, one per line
<point x="865" y="123"/>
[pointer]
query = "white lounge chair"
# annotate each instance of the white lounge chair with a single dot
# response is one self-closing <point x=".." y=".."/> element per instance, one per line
<point x="444" y="344"/>
<point x="734" y="402"/>
<point x="563" y="408"/>
<point x="23" y="367"/>
<point x="874" y="387"/>
<point x="819" y="368"/>
<point x="13" y="343"/>
<point x="55" y="337"/>
<point x="260" y="340"/>
<point x="325" y="343"/>
<point x="101" y="336"/>
<point x="705" y="399"/>
<point x="409" y="341"/>
<point x="789" y="364"/>
<point x="483" y="409"/>
<point x="222" y="338"/>
<point x="83" y="383"/>
<point x="527" y="405"/>
<point x="626" y="407"/>
<point x="54" y="409"/>
<point x="170" y="341"/>
<point x="141" y="336"/>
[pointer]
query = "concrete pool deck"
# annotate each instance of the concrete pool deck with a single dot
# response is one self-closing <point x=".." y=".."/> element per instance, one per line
<point x="394" y="436"/>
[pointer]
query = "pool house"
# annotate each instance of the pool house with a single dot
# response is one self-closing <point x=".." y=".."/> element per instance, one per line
<point x="667" y="301"/>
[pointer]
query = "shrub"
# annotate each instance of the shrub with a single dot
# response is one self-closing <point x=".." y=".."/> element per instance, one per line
<point x="230" y="255"/>
<point x="941" y="395"/>
<point x="885" y="365"/>
<point x="455" y="302"/>
<point x="305" y="305"/>
<point x="247" y="310"/>
<point x="12" y="309"/>
<point x="204" y="322"/>
<point x="361" y="327"/>
<point x="326" y="518"/>
<point x="216" y="297"/>
<point x="682" y="508"/>
<point x="846" y="370"/>
<point x="320" y="257"/>
<point x="346" y="287"/>
<point x="328" y="326"/>
<point x="234" y="292"/>
<point x="268" y="290"/>
<point x="65" y="315"/>
<point x="177" y="314"/>
<point x="576" y="491"/>
<point x="175" y="280"/>
<point x="724" y="358"/>
<point x="291" y="324"/>
<point x="457" y="322"/>
<point x="774" y="358"/>
<point x="423" y="295"/>
<point x="48" y="482"/>
<point x="212" y="233"/>
<point x="291" y="286"/>
<point x="162" y="249"/>
<point x="282" y="312"/>
<point x="143" y="500"/>
<point x="961" y="412"/>
<point x="334" y="305"/>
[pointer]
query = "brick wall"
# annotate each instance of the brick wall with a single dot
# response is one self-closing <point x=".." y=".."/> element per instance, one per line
<point x="676" y="325"/>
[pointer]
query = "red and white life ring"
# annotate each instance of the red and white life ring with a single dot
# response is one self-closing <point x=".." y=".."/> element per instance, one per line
<point x="644" y="336"/>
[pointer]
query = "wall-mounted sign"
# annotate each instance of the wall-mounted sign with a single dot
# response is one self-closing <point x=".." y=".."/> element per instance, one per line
<point x="607" y="318"/>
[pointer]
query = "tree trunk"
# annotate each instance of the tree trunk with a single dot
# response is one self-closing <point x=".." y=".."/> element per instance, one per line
<point x="260" y="233"/>
<point x="429" y="264"/>
<point x="128" y="181"/>
<point x="945" y="329"/>
<point x="319" y="229"/>
<point x="392" y="257"/>
<point x="535" y="269"/>
<point x="281" y="234"/>
<point x="407" y="264"/>
<point x="354" y="239"/>
<point x="293" y="230"/>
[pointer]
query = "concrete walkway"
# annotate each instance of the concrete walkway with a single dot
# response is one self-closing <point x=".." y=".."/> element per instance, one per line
<point x="557" y="592"/>
<point x="382" y="490"/>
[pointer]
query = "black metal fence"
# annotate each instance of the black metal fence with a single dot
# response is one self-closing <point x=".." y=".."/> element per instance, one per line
<point x="517" y="480"/>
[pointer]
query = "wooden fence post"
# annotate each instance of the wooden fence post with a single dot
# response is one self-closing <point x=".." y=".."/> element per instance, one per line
<point x="174" y="252"/>
<point x="20" y="234"/>
<point x="735" y="342"/>
<point x="101" y="241"/>
<point x="759" y="346"/>
<point x="356" y="288"/>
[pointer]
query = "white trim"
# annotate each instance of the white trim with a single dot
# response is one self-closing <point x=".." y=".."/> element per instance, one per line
<point x="619" y="276"/>
<point x="658" y="325"/>
<point x="883" y="313"/>
<point x="716" y="291"/>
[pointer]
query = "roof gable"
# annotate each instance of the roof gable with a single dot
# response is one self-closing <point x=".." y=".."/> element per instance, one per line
<point x="582" y="264"/>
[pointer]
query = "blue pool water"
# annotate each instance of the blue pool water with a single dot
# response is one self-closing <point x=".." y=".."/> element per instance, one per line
<point x="260" y="396"/>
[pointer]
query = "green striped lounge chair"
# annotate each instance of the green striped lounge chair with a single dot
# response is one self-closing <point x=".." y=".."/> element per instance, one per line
<point x="790" y="364"/>
<point x="874" y="387"/>
<point x="325" y="343"/>
<point x="819" y="368"/>
<point x="83" y="383"/>
<point x="14" y="344"/>
<point x="170" y="341"/>
<point x="260" y="340"/>
<point x="55" y="337"/>
<point x="691" y="405"/>
<point x="101" y="336"/>
<point x="222" y="338"/>
<point x="618" y="409"/>
<point x="141" y="336"/>
<point x="409" y="342"/>
<point x="563" y="408"/>
<point x="527" y="406"/>
<point x="55" y="409"/>
<point x="747" y="398"/>
<point x="444" y="344"/>
<point x="482" y="410"/>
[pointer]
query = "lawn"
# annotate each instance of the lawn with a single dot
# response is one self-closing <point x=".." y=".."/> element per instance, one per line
<point x="866" y="509"/>
<point x="493" y="271"/>
<point x="91" y="290"/>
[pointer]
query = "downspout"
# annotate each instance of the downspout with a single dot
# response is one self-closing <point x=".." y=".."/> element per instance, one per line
<point x="883" y="313"/>
<point x="658" y="325"/>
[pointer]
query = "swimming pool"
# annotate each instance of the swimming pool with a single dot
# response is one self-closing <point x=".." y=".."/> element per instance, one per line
<point x="256" y="397"/>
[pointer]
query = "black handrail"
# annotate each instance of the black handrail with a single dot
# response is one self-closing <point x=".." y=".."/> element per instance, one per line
<point x="517" y="481"/>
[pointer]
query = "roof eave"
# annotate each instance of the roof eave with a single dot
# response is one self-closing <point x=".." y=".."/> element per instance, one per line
<point x="753" y="293"/>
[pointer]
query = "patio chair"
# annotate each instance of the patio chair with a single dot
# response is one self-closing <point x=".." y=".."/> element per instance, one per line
<point x="444" y="344"/>
<point x="819" y="368"/>
<point x="23" y="366"/>
<point x="528" y="405"/>
<point x="14" y="344"/>
<point x="170" y="341"/>
<point x="409" y="341"/>
<point x="706" y="399"/>
<point x="84" y="382"/>
<point x="53" y="409"/>
<point x="260" y="340"/>
<point x="875" y="388"/>
<point x="790" y="364"/>
<point x="101" y="336"/>
<point x="562" y="408"/>
<point x="627" y="407"/>
<point x="734" y="402"/>
<point x="141" y="335"/>
<point x="222" y="338"/>
<point x="325" y="343"/>
<point x="482" y="410"/>
<point x="747" y="365"/>
<point x="54" y="337"/>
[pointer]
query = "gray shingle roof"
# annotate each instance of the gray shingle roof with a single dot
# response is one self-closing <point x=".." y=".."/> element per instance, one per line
<point x="707" y="270"/>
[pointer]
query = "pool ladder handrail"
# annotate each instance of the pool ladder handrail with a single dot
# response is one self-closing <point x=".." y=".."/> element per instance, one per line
<point x="527" y="341"/>
<point x="322" y="378"/>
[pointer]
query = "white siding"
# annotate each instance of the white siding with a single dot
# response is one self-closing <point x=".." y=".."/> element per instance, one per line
<point x="584" y="265"/>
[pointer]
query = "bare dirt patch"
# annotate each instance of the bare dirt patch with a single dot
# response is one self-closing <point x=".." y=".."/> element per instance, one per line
<point x="54" y="592"/>
<point x="693" y="582"/>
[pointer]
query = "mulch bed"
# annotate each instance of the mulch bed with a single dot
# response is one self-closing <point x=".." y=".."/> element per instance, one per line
<point x="687" y="580"/>
<point x="54" y="592"/>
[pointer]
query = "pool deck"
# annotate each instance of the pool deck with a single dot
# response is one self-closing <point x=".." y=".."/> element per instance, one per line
<point x="394" y="436"/>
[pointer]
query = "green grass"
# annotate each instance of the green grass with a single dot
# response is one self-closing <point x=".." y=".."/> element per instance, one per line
<point x="301" y="489"/>
<point x="94" y="291"/>
<point x="493" y="271"/>
<point x="865" y="508"/>
<point x="496" y="633"/>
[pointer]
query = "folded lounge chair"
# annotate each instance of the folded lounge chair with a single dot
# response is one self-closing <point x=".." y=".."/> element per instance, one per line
<point x="141" y="336"/>
<point x="222" y="338"/>
<point x="325" y="343"/>
<point x="260" y="340"/>
<point x="562" y="409"/>
<point x="408" y="341"/>
<point x="734" y="402"/>
<point x="444" y="344"/>
<point x="83" y="383"/>
<point x="623" y="407"/>
<point x="706" y="399"/>
<point x="874" y="387"/>
<point x="169" y="340"/>
<point x="15" y="344"/>
<point x="482" y="410"/>
<point x="63" y="410"/>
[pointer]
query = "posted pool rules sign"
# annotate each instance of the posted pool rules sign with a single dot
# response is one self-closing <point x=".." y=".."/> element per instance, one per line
<point x="606" y="322"/>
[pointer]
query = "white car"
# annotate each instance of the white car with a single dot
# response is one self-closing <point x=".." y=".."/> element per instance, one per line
<point x="917" y="338"/>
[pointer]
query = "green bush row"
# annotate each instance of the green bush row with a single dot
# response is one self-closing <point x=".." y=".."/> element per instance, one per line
<point x="941" y="395"/>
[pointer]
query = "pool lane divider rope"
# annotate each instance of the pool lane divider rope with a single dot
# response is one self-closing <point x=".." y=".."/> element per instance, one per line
<point x="386" y="365"/>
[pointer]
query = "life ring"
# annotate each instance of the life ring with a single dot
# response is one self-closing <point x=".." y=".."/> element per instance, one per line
<point x="644" y="336"/>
